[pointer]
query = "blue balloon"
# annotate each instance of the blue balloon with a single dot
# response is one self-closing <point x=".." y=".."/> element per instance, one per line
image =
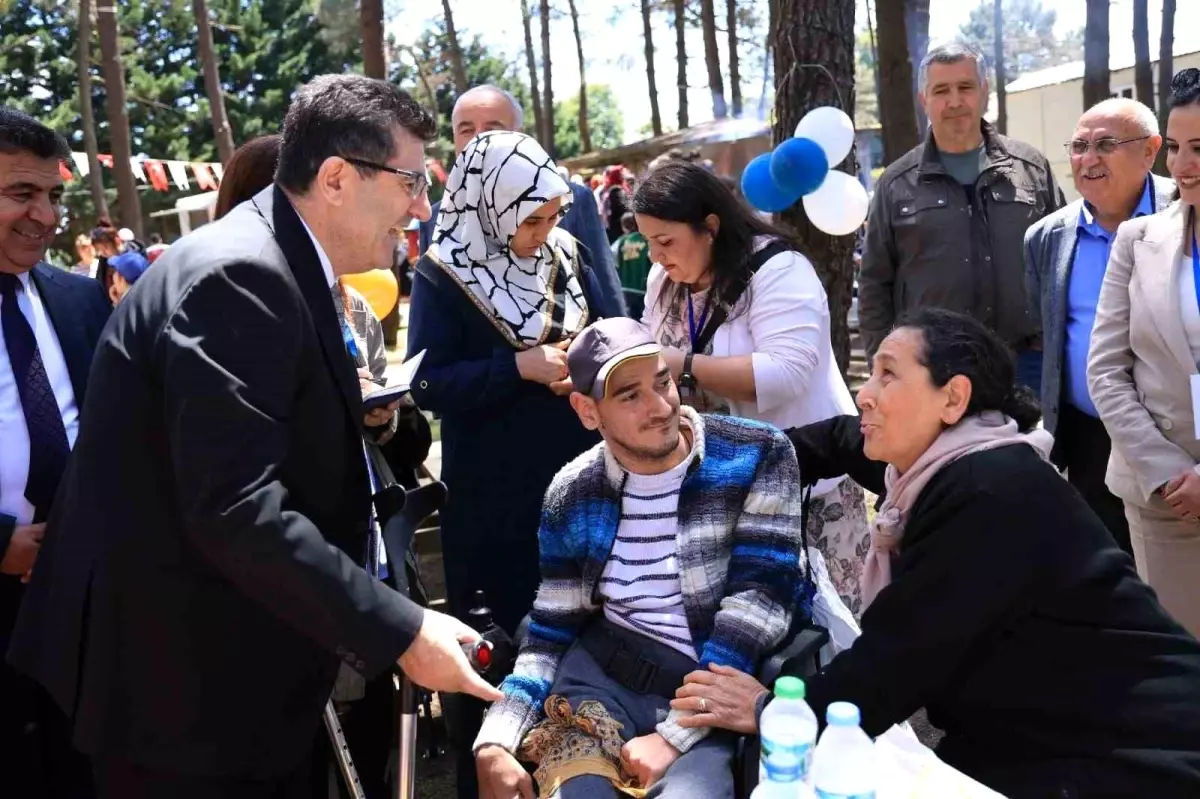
<point x="761" y="190"/>
<point x="799" y="165"/>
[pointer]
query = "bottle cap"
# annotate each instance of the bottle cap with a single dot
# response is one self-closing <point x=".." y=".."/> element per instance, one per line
<point x="842" y="714"/>
<point x="789" y="688"/>
<point x="783" y="766"/>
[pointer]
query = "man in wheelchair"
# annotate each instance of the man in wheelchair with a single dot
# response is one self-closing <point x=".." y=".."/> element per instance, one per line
<point x="670" y="547"/>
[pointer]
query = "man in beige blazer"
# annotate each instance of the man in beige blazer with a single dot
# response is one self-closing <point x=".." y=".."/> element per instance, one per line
<point x="1139" y="371"/>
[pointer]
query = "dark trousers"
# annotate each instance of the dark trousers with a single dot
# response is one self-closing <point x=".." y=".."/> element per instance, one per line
<point x="119" y="779"/>
<point x="36" y="756"/>
<point x="1029" y="369"/>
<point x="1082" y="447"/>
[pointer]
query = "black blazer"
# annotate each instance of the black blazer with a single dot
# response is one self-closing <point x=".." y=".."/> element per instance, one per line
<point x="78" y="310"/>
<point x="200" y="580"/>
<point x="1017" y="621"/>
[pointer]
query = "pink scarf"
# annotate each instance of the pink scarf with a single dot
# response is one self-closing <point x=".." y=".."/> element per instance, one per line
<point x="988" y="430"/>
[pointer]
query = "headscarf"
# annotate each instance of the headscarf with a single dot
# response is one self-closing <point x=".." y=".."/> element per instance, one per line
<point x="976" y="433"/>
<point x="498" y="181"/>
<point x="615" y="176"/>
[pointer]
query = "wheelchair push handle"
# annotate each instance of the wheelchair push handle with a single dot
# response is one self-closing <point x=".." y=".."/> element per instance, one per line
<point x="479" y="655"/>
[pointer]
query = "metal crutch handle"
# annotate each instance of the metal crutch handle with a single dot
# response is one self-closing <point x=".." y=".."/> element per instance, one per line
<point x="341" y="750"/>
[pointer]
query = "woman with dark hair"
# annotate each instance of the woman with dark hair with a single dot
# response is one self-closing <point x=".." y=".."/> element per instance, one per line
<point x="107" y="244"/>
<point x="1142" y="371"/>
<point x="998" y="600"/>
<point x="251" y="170"/>
<point x="745" y="321"/>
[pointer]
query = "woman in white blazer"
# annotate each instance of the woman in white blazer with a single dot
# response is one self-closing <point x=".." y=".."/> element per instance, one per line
<point x="745" y="321"/>
<point x="1142" y="372"/>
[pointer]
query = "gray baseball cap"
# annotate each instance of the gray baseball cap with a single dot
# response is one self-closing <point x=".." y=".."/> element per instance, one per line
<point x="602" y="347"/>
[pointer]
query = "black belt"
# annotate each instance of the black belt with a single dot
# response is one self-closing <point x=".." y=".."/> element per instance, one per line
<point x="632" y="664"/>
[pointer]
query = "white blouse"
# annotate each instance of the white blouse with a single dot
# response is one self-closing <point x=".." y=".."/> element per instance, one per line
<point x="1188" y="306"/>
<point x="782" y="322"/>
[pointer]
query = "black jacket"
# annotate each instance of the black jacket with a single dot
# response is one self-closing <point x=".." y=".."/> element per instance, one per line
<point x="199" y="581"/>
<point x="1017" y="621"/>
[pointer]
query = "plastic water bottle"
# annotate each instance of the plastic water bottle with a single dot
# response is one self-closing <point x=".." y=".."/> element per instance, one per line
<point x="783" y="779"/>
<point x="787" y="725"/>
<point x="844" y="762"/>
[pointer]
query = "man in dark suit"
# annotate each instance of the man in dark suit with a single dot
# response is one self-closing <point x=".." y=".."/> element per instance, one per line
<point x="488" y="107"/>
<point x="202" y="572"/>
<point x="49" y="323"/>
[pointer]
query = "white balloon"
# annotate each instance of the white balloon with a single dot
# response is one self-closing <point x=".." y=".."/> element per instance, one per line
<point x="839" y="206"/>
<point x="832" y="129"/>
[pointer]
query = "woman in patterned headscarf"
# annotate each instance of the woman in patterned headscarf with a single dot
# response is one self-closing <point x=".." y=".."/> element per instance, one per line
<point x="495" y="302"/>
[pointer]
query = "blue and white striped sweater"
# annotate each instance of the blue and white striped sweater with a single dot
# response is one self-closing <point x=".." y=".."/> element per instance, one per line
<point x="738" y="553"/>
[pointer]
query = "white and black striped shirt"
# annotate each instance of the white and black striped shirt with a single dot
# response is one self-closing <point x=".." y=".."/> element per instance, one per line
<point x="640" y="584"/>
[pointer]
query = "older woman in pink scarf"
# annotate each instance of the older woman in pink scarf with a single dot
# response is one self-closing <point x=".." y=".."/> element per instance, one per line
<point x="997" y="600"/>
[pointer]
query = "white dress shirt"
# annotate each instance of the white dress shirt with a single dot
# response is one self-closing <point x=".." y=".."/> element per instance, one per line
<point x="326" y="264"/>
<point x="14" y="435"/>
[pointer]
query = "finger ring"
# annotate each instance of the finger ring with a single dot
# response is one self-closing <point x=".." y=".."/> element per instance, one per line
<point x="703" y="705"/>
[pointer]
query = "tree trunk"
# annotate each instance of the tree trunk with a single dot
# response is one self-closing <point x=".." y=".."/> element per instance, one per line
<point x="1143" y="72"/>
<point x="712" y="59"/>
<point x="547" y="75"/>
<point x="456" y="58"/>
<point x="531" y="64"/>
<point x="819" y="32"/>
<point x="1001" y="93"/>
<point x="735" y="78"/>
<point x="897" y="114"/>
<point x="1166" y="69"/>
<point x="371" y="20"/>
<point x="118" y="118"/>
<point x="655" y="117"/>
<point x="585" y="134"/>
<point x="916" y="21"/>
<point x="88" y="121"/>
<point x="681" y="63"/>
<point x="1095" y="54"/>
<point x="212" y="80"/>
<point x="874" y="60"/>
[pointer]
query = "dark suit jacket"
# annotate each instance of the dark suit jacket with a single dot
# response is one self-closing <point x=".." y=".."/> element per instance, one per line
<point x="200" y="579"/>
<point x="78" y="310"/>
<point x="583" y="222"/>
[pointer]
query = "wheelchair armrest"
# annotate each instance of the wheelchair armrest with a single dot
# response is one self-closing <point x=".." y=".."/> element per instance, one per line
<point x="801" y="655"/>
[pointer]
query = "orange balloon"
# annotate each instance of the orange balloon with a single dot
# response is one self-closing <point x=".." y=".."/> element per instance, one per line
<point x="379" y="287"/>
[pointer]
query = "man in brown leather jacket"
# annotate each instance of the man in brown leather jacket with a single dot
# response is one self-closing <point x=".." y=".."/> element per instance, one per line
<point x="949" y="217"/>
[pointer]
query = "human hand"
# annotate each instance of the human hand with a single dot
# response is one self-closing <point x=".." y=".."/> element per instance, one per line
<point x="648" y="758"/>
<point x="500" y="775"/>
<point x="435" y="659"/>
<point x="379" y="417"/>
<point x="1183" y="495"/>
<point x="22" y="550"/>
<point x="545" y="364"/>
<point x="674" y="358"/>
<point x="562" y="388"/>
<point x="720" y="697"/>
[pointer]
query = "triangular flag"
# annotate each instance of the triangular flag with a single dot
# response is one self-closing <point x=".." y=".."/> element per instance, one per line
<point x="135" y="166"/>
<point x="204" y="178"/>
<point x="158" y="174"/>
<point x="105" y="159"/>
<point x="64" y="171"/>
<point x="218" y="170"/>
<point x="81" y="163"/>
<point x="179" y="174"/>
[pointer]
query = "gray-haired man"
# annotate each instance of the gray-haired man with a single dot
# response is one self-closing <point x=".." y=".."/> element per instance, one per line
<point x="1066" y="254"/>
<point x="948" y="217"/>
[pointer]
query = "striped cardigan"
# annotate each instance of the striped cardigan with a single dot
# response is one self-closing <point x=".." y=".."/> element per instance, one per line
<point x="738" y="553"/>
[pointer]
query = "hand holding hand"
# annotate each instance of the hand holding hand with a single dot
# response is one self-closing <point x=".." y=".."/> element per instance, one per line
<point x="720" y="697"/>
<point x="22" y="550"/>
<point x="501" y="776"/>
<point x="1183" y="495"/>
<point x="545" y="364"/>
<point x="435" y="659"/>
<point x="648" y="758"/>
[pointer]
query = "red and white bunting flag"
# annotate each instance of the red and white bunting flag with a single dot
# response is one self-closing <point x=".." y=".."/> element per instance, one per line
<point x="81" y="163"/>
<point x="179" y="174"/>
<point x="204" y="177"/>
<point x="158" y="175"/>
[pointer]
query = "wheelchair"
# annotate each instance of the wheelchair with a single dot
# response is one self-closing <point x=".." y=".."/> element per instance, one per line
<point x="403" y="511"/>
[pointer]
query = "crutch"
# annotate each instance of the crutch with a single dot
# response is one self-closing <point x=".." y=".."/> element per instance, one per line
<point x="341" y="751"/>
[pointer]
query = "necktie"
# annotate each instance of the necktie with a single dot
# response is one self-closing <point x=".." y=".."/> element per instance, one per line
<point x="48" y="445"/>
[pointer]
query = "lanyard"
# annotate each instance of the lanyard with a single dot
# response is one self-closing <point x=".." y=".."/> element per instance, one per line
<point x="694" y="330"/>
<point x="349" y="340"/>
<point x="1195" y="265"/>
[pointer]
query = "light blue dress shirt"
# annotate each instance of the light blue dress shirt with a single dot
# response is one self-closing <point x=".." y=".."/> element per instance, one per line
<point x="1083" y="294"/>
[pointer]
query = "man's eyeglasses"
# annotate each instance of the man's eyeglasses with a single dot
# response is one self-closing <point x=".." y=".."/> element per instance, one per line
<point x="1077" y="148"/>
<point x="419" y="183"/>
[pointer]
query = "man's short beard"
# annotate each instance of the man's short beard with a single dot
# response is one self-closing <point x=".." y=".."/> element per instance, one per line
<point x="647" y="453"/>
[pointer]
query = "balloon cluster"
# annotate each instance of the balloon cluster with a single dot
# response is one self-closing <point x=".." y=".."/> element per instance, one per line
<point x="834" y="201"/>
